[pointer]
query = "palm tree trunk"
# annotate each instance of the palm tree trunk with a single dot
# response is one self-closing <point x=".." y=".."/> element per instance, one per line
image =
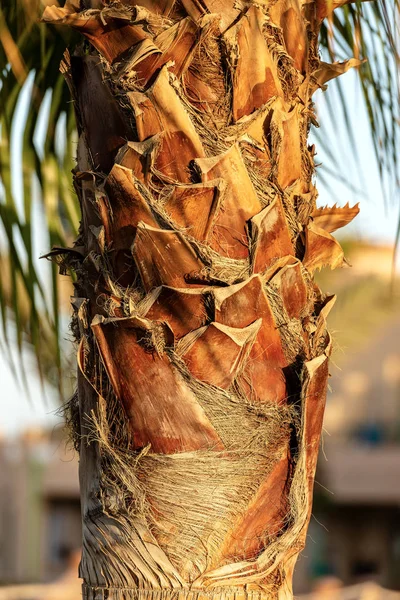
<point x="203" y="348"/>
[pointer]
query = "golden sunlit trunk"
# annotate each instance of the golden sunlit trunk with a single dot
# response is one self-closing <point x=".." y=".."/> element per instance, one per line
<point x="203" y="349"/>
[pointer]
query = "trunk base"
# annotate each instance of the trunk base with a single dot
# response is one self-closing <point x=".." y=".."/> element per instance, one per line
<point x="225" y="593"/>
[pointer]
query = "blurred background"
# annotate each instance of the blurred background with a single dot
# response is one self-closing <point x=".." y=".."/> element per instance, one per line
<point x="353" y="544"/>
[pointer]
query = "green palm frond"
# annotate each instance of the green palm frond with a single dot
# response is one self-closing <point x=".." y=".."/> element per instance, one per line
<point x="36" y="120"/>
<point x="368" y="31"/>
<point x="34" y="102"/>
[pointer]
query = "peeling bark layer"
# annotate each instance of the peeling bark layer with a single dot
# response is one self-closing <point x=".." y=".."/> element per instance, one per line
<point x="203" y="348"/>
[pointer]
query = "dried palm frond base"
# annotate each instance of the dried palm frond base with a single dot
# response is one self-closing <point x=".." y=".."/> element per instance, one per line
<point x="203" y="349"/>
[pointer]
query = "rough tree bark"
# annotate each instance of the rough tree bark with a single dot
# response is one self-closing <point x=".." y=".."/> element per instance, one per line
<point x="203" y="348"/>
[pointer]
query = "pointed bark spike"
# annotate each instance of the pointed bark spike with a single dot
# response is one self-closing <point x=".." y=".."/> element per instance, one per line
<point x="328" y="71"/>
<point x="255" y="140"/>
<point x="287" y="15"/>
<point x="255" y="73"/>
<point x="321" y="341"/>
<point x="216" y="353"/>
<point x="183" y="309"/>
<point x="163" y="257"/>
<point x="139" y="157"/>
<point x="162" y="411"/>
<point x="327" y="306"/>
<point x="239" y="305"/>
<point x="322" y="249"/>
<point x="161" y="110"/>
<point x="314" y="399"/>
<point x="332" y="218"/>
<point x="173" y="46"/>
<point x="270" y="237"/>
<point x="257" y="123"/>
<point x="195" y="207"/>
<point x="128" y="208"/>
<point x="239" y="202"/>
<point x="276" y="266"/>
<point x="286" y="144"/>
<point x="292" y="288"/>
<point x="98" y="113"/>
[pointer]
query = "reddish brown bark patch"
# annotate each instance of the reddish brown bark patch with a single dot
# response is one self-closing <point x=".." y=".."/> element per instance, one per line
<point x="194" y="207"/>
<point x="216" y="353"/>
<point x="240" y="305"/>
<point x="161" y="409"/>
<point x="164" y="258"/>
<point x="270" y="238"/>
<point x="182" y="309"/>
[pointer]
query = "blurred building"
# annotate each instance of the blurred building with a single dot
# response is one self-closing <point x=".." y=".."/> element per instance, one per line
<point x="354" y="534"/>
<point x="40" y="523"/>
